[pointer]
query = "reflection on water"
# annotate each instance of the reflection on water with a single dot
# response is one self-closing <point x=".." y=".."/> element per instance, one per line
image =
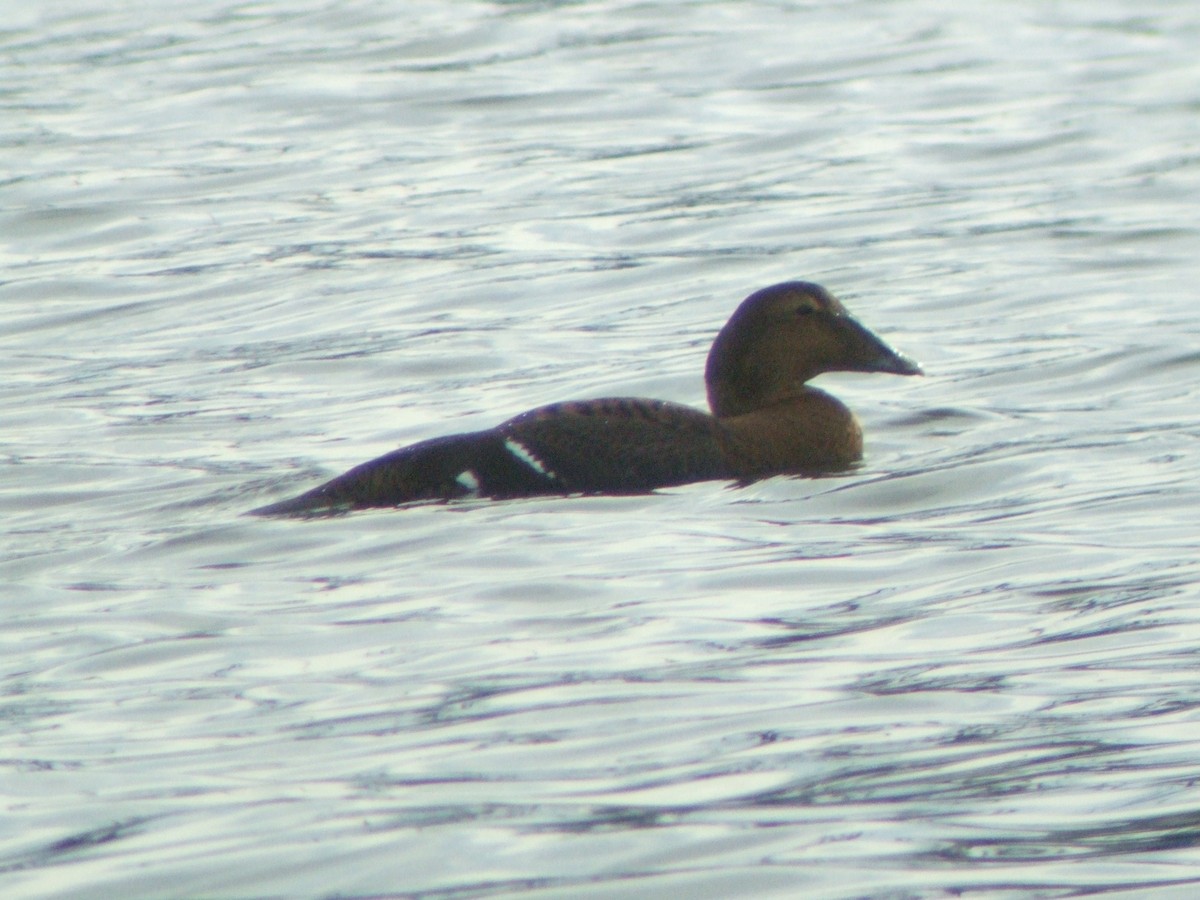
<point x="249" y="247"/>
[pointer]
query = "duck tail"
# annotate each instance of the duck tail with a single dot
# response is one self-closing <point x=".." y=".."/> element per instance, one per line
<point x="445" y="468"/>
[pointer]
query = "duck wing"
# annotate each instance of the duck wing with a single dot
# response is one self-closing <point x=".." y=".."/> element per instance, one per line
<point x="617" y="445"/>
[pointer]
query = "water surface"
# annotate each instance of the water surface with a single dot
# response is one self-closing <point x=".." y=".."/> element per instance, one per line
<point x="247" y="246"/>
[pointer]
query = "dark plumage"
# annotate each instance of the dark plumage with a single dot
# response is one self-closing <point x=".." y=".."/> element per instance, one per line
<point x="765" y="421"/>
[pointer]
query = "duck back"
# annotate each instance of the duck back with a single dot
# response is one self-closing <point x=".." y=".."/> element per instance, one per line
<point x="617" y="445"/>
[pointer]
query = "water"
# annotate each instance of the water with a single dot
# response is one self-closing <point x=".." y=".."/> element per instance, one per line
<point x="247" y="246"/>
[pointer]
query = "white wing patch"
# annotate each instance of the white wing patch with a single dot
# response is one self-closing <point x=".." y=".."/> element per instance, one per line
<point x="469" y="480"/>
<point x="525" y="455"/>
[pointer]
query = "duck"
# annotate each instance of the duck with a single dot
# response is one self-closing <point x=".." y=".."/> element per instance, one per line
<point x="765" y="419"/>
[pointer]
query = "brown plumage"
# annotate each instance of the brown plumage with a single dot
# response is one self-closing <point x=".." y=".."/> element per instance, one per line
<point x="765" y="421"/>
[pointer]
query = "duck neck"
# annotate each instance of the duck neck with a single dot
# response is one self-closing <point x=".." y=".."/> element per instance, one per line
<point x="737" y="390"/>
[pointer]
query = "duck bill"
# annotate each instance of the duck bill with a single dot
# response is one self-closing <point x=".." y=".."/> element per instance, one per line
<point x="869" y="353"/>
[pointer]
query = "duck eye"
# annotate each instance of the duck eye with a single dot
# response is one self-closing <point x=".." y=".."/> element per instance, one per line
<point x="805" y="310"/>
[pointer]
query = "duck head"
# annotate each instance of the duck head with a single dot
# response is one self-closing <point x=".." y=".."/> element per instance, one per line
<point x="779" y="338"/>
